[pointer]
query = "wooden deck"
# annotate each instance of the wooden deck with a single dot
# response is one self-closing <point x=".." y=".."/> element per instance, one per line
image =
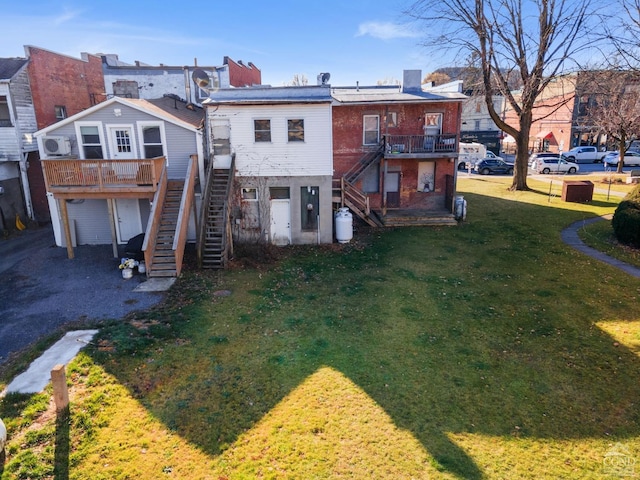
<point x="406" y="217"/>
<point x="102" y="178"/>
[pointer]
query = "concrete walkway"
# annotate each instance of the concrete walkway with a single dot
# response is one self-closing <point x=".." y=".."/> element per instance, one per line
<point x="570" y="237"/>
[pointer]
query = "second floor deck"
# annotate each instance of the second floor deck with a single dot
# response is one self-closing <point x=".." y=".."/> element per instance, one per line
<point x="102" y="178"/>
<point x="421" y="146"/>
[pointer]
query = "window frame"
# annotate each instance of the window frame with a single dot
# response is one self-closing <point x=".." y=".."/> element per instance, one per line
<point x="60" y="111"/>
<point x="163" y="139"/>
<point x="257" y="131"/>
<point x="8" y="121"/>
<point x="82" y="144"/>
<point x="249" y="198"/>
<point x="291" y="133"/>
<point x="365" y="130"/>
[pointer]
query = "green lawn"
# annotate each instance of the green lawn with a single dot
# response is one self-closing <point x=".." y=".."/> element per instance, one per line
<point x="487" y="350"/>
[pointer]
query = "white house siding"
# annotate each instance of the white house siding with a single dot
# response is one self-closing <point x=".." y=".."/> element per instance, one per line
<point x="280" y="157"/>
<point x="25" y="112"/>
<point x="279" y="163"/>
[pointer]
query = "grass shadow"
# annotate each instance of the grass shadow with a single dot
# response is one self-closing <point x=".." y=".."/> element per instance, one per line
<point x="488" y="331"/>
<point x="62" y="445"/>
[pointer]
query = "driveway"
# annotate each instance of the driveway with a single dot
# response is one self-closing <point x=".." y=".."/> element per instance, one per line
<point x="42" y="290"/>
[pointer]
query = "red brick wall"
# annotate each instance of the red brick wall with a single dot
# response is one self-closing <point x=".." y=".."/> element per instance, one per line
<point x="348" y="148"/>
<point x="241" y="75"/>
<point x="61" y="80"/>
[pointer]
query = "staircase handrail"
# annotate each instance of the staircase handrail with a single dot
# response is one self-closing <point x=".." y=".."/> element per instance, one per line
<point x="206" y="196"/>
<point x="227" y="240"/>
<point x="182" y="225"/>
<point x="153" y="224"/>
<point x="356" y="170"/>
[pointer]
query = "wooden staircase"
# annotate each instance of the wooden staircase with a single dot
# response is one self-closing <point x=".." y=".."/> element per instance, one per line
<point x="215" y="243"/>
<point x="348" y="195"/>
<point x="164" y="258"/>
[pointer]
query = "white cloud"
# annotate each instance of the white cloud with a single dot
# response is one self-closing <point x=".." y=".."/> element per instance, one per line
<point x="385" y="30"/>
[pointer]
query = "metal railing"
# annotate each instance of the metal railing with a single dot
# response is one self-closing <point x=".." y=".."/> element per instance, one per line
<point x="416" y="144"/>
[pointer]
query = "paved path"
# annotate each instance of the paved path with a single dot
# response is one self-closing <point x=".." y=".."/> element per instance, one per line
<point x="570" y="237"/>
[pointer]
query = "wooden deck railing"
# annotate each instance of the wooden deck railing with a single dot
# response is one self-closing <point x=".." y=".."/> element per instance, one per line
<point x="417" y="144"/>
<point x="101" y="175"/>
<point x="186" y="204"/>
<point x="153" y="225"/>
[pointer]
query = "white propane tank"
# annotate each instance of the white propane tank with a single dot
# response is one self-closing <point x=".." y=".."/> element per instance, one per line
<point x="344" y="225"/>
<point x="460" y="208"/>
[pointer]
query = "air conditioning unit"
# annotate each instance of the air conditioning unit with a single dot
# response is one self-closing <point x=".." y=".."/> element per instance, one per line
<point x="55" y="145"/>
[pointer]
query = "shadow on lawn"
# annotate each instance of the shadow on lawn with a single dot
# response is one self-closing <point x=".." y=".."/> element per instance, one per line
<point x="495" y="341"/>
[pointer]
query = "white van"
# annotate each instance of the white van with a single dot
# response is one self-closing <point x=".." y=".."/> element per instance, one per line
<point x="470" y="154"/>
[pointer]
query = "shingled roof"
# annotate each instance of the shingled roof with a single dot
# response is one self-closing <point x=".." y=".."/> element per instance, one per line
<point x="10" y="66"/>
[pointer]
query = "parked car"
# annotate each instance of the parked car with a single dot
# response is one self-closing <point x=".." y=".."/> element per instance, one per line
<point x="534" y="156"/>
<point x="556" y="164"/>
<point x="630" y="159"/>
<point x="490" y="165"/>
<point x="492" y="156"/>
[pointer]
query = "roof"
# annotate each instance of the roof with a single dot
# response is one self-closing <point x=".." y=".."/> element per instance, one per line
<point x="266" y="95"/>
<point x="389" y="94"/>
<point x="169" y="108"/>
<point x="172" y="105"/>
<point x="10" y="66"/>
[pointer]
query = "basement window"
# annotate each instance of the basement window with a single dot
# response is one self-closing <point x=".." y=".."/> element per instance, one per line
<point x="250" y="194"/>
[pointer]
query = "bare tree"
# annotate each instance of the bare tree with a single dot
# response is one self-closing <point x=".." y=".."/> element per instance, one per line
<point x="299" y="80"/>
<point x="535" y="39"/>
<point x="613" y="105"/>
<point x="622" y="33"/>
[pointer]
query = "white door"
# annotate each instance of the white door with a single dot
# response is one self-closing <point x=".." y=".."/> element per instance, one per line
<point x="121" y="142"/>
<point x="280" y="222"/>
<point x="128" y="223"/>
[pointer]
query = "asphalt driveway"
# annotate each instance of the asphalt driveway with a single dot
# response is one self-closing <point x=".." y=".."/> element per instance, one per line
<point x="42" y="290"/>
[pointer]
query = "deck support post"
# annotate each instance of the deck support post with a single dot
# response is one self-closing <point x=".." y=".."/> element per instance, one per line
<point x="67" y="229"/>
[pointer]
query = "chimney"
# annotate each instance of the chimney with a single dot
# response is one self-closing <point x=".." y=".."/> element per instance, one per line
<point x="411" y="81"/>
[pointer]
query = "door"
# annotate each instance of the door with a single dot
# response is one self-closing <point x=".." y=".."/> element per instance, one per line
<point x="392" y="189"/>
<point x="128" y="223"/>
<point x="121" y="142"/>
<point x="280" y="221"/>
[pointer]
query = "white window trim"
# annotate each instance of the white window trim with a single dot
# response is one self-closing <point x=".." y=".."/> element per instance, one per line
<point x="247" y="189"/>
<point x="112" y="147"/>
<point x="163" y="137"/>
<point x="101" y="135"/>
<point x="253" y="128"/>
<point x="364" y="123"/>
<point x="304" y="132"/>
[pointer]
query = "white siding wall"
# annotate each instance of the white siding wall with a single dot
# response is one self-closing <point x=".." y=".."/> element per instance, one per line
<point x="280" y="157"/>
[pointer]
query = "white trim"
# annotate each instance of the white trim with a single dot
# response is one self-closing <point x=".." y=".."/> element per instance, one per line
<point x="111" y="127"/>
<point x="163" y="137"/>
<point x="77" y="126"/>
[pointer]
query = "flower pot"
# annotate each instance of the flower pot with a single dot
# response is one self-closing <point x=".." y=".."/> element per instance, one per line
<point x="127" y="272"/>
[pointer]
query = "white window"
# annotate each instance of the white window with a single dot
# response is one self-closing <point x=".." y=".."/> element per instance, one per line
<point x="5" y="116"/>
<point x="250" y="194"/>
<point x="295" y="130"/>
<point x="262" y="130"/>
<point x="152" y="136"/>
<point x="371" y="130"/>
<point x="477" y="124"/>
<point x="90" y="139"/>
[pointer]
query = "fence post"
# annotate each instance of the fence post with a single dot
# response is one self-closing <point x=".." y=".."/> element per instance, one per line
<point x="60" y="391"/>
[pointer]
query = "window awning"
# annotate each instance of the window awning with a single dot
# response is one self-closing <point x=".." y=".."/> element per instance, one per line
<point x="545" y="134"/>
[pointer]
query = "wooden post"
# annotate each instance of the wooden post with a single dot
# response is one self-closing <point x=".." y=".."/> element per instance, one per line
<point x="67" y="229"/>
<point x="112" y="224"/>
<point x="60" y="391"/>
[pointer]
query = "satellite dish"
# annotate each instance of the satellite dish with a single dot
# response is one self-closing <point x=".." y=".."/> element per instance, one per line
<point x="201" y="78"/>
<point x="325" y="78"/>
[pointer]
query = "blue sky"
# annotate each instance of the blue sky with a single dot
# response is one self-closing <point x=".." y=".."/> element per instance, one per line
<point x="361" y="41"/>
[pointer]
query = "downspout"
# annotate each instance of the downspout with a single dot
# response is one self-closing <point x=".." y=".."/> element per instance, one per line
<point x="26" y="189"/>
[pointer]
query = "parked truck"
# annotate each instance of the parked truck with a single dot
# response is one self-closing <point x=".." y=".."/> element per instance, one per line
<point x="469" y="154"/>
<point x="585" y="154"/>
